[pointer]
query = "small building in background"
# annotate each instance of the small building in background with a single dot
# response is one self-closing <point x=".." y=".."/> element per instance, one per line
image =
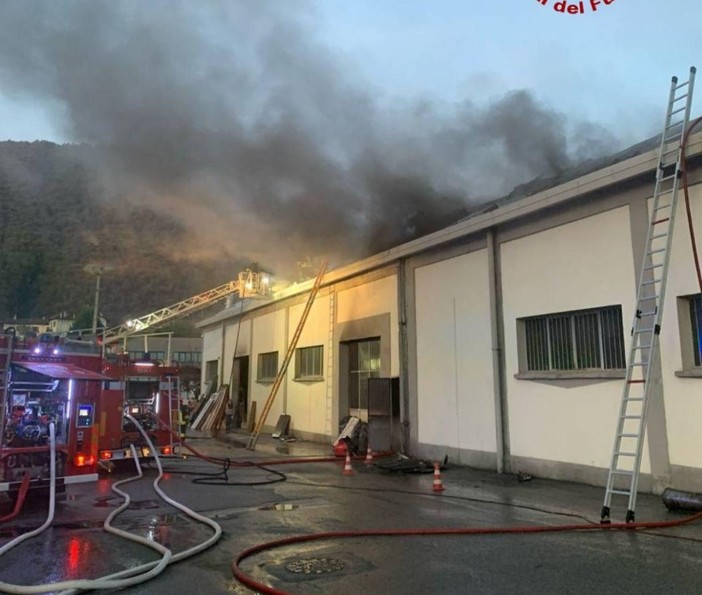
<point x="26" y="327"/>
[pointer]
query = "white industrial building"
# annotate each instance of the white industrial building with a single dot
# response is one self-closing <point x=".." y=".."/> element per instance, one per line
<point x="508" y="332"/>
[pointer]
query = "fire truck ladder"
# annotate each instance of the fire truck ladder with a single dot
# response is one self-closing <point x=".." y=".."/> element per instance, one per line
<point x="631" y="427"/>
<point x="249" y="283"/>
<point x="288" y="357"/>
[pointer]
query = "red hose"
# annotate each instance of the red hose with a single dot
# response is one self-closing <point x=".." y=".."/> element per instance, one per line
<point x="24" y="488"/>
<point x="263" y="588"/>
<point x="288" y="461"/>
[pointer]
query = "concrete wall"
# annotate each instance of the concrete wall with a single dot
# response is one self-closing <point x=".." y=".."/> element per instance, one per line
<point x="235" y="339"/>
<point x="454" y="356"/>
<point x="306" y="400"/>
<point x="579" y="265"/>
<point x="683" y="405"/>
<point x="211" y="348"/>
<point x="269" y="334"/>
<point x="375" y="298"/>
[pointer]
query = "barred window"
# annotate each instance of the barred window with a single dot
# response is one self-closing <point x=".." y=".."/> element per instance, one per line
<point x="267" y="366"/>
<point x="187" y="357"/>
<point x="308" y="363"/>
<point x="696" y="321"/>
<point x="580" y="340"/>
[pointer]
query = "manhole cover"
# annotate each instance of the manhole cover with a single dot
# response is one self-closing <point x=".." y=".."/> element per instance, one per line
<point x="314" y="565"/>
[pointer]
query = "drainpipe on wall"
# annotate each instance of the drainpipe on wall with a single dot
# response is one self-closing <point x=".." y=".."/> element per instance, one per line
<point x="220" y="368"/>
<point x="498" y="356"/>
<point x="403" y="357"/>
<point x="286" y="338"/>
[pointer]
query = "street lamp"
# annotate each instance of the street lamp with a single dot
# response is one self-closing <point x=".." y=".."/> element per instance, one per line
<point x="98" y="270"/>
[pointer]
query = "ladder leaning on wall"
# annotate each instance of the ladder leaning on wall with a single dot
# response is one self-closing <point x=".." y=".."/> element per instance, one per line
<point x="625" y="463"/>
<point x="288" y="357"/>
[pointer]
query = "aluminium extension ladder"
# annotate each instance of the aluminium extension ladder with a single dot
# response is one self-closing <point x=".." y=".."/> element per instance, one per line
<point x="288" y="357"/>
<point x="625" y="464"/>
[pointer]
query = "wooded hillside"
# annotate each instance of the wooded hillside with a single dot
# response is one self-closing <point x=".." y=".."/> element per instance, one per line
<point x="55" y="219"/>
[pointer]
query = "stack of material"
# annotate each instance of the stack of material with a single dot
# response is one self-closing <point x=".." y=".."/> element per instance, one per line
<point x="209" y="389"/>
<point x="211" y="413"/>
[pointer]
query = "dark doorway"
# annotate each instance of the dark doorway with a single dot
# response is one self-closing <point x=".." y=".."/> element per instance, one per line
<point x="211" y="370"/>
<point x="240" y="389"/>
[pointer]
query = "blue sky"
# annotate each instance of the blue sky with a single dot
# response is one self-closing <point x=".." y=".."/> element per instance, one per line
<point x="610" y="67"/>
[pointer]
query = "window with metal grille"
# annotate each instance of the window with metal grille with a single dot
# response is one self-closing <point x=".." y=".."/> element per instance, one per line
<point x="308" y="363"/>
<point x="267" y="366"/>
<point x="580" y="340"/>
<point x="187" y="357"/>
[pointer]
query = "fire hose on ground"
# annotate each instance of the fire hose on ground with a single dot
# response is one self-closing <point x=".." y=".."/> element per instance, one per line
<point x="24" y="488"/>
<point x="130" y="576"/>
<point x="250" y="582"/>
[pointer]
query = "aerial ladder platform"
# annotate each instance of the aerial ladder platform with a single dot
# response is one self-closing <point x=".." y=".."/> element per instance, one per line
<point x="625" y="464"/>
<point x="248" y="284"/>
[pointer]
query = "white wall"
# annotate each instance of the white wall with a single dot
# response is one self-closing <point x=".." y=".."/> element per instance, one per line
<point x="584" y="264"/>
<point x="454" y="354"/>
<point x="211" y="348"/>
<point x="268" y="335"/>
<point x="242" y="344"/>
<point x="307" y="402"/>
<point x="683" y="398"/>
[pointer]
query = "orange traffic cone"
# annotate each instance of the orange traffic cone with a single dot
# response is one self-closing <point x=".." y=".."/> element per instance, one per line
<point x="369" y="456"/>
<point x="438" y="486"/>
<point x="348" y="469"/>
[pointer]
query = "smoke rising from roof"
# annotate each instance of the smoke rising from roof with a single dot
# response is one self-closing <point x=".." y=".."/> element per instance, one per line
<point x="232" y="117"/>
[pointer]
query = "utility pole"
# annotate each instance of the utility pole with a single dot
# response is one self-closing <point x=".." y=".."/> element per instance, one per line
<point x="98" y="270"/>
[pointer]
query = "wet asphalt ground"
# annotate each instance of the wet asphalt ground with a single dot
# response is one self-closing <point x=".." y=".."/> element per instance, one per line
<point x="317" y="497"/>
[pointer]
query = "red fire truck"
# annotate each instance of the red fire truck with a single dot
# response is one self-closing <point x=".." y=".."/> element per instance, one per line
<point x="86" y="392"/>
<point x="44" y="381"/>
<point x="149" y="392"/>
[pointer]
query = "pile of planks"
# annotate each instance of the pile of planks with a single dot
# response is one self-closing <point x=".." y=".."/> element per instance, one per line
<point x="210" y="413"/>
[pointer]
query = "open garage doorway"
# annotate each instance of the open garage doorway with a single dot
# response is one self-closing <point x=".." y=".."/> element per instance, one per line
<point x="239" y="389"/>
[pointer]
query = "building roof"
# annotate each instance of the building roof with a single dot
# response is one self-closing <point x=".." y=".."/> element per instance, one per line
<point x="25" y="322"/>
<point x="634" y="162"/>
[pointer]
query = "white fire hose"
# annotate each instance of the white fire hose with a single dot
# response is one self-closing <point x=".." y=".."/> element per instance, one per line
<point x="130" y="576"/>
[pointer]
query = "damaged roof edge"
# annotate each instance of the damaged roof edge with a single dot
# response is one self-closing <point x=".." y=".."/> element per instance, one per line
<point x="618" y="172"/>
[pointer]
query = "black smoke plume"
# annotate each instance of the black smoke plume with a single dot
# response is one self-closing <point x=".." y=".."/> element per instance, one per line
<point x="232" y="117"/>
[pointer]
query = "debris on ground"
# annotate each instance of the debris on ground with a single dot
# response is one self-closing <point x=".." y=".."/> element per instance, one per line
<point x="405" y="464"/>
